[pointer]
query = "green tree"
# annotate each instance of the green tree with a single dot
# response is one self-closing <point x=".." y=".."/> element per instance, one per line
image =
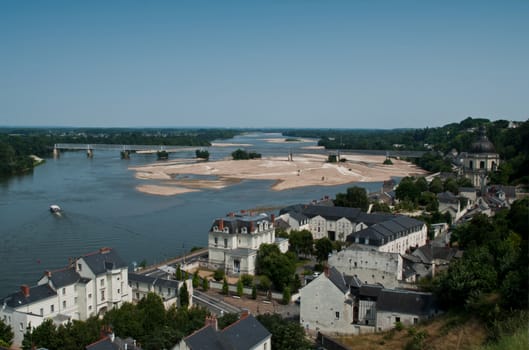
<point x="178" y="273"/>
<point x="218" y="275"/>
<point x="355" y="197"/>
<point x="408" y="190"/>
<point x="240" y="288"/>
<point x="227" y="319"/>
<point x="254" y="292"/>
<point x="184" y="296"/>
<point x="196" y="279"/>
<point x="301" y="242"/>
<point x="6" y="334"/>
<point x="202" y="154"/>
<point x="45" y="336"/>
<point x="286" y="335"/>
<point x="225" y="287"/>
<point x="286" y="295"/>
<point x="323" y="248"/>
<point x="247" y="280"/>
<point x="205" y="284"/>
<point x="280" y="268"/>
<point x="436" y="185"/>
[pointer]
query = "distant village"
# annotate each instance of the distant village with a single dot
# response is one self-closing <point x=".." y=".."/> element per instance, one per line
<point x="369" y="286"/>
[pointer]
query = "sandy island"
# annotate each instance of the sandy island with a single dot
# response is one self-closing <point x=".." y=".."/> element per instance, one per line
<point x="304" y="170"/>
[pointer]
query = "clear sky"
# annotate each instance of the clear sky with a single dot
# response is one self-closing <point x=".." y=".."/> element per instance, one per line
<point x="252" y="63"/>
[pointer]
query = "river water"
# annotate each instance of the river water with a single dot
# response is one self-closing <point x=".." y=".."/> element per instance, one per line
<point x="103" y="208"/>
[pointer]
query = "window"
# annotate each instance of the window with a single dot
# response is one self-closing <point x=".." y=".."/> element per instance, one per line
<point x="79" y="267"/>
<point x="119" y="291"/>
<point x="137" y="295"/>
<point x="337" y="314"/>
<point x="64" y="291"/>
<point x="102" y="282"/>
<point x="52" y="308"/>
<point x="216" y="241"/>
<point x="89" y="307"/>
<point x="41" y="312"/>
<point x="89" y="295"/>
<point x="64" y="304"/>
<point x="225" y="243"/>
<point x="397" y="319"/>
<point x="21" y="326"/>
<point x="102" y="295"/>
<point x="415" y="320"/>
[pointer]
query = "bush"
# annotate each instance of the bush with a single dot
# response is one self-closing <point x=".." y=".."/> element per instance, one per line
<point x="247" y="280"/>
<point x="219" y="275"/>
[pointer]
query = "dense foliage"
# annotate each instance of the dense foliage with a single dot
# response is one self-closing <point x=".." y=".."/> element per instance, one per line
<point x="148" y="322"/>
<point x="278" y="267"/>
<point x="6" y="334"/>
<point x="286" y="335"/>
<point x="355" y="197"/>
<point x="492" y="275"/>
<point x="17" y="144"/>
<point x="240" y="154"/>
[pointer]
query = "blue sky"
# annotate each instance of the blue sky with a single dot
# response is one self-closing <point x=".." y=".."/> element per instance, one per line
<point x="291" y="63"/>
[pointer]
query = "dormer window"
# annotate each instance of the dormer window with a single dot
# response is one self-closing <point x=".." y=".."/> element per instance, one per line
<point x="215" y="228"/>
<point x="244" y="230"/>
<point x="226" y="230"/>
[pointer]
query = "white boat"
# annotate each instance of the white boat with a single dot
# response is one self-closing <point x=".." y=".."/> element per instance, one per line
<point x="54" y="208"/>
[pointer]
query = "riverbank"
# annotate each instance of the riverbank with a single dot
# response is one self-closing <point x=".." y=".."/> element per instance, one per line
<point x="304" y="170"/>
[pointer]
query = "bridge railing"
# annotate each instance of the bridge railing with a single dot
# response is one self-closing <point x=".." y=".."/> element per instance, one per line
<point x="116" y="147"/>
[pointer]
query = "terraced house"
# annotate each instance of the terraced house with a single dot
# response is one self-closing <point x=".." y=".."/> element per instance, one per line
<point x="88" y="286"/>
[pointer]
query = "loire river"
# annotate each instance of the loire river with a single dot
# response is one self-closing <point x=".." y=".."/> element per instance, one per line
<point x="102" y="208"/>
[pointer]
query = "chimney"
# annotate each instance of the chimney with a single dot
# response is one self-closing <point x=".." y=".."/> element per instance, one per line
<point x="221" y="225"/>
<point x="104" y="250"/>
<point x="326" y="270"/>
<point x="243" y="212"/>
<point x="244" y="313"/>
<point x="48" y="273"/>
<point x="212" y="321"/>
<point x="25" y="290"/>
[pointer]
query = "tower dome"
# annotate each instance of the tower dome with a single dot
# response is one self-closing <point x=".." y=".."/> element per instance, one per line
<point x="482" y="145"/>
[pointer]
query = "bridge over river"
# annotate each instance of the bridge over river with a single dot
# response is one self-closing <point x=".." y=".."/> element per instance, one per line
<point x="125" y="150"/>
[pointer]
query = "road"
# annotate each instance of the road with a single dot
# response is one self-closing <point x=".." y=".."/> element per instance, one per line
<point x="214" y="305"/>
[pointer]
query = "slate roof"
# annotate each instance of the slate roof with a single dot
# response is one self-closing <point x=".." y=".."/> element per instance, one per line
<point x="64" y="277"/>
<point x="103" y="260"/>
<point x="235" y="223"/>
<point x="157" y="282"/>
<point x="330" y="213"/>
<point x="36" y="293"/>
<point x="428" y="253"/>
<point x="386" y="231"/>
<point x="370" y="290"/>
<point x="406" y="302"/>
<point x="241" y="335"/>
<point x="338" y="279"/>
<point x="447" y="197"/>
<point x="245" y="333"/>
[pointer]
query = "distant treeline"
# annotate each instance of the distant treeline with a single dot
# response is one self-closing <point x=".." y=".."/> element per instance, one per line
<point x="16" y="144"/>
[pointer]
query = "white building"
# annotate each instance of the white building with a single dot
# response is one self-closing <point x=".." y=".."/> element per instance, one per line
<point x="234" y="241"/>
<point x="326" y="304"/>
<point x="395" y="235"/>
<point x="167" y="289"/>
<point x="369" y="265"/>
<point x="90" y="285"/>
<point x="337" y="304"/>
<point x="335" y="223"/>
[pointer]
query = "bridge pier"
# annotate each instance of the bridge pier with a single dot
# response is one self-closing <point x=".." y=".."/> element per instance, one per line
<point x="56" y="152"/>
<point x="125" y="154"/>
<point x="89" y="152"/>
